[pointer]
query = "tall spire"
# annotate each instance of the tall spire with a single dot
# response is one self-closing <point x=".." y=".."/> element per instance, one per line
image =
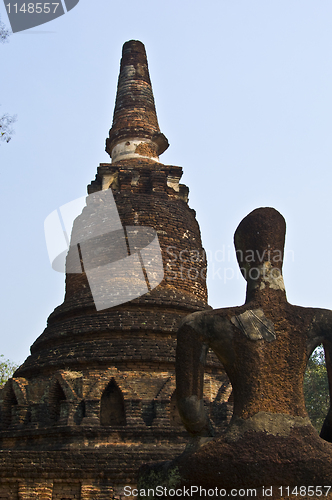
<point x="135" y="131"/>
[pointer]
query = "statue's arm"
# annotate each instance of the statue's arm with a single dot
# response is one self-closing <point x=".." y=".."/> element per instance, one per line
<point x="326" y="432"/>
<point x="190" y="361"/>
<point x="321" y="333"/>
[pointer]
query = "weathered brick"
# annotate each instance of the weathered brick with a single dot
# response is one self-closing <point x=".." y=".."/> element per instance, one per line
<point x="95" y="399"/>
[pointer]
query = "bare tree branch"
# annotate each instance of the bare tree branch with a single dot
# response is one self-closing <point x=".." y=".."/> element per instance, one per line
<point x="4" y="32"/>
<point x="6" y="120"/>
<point x="6" y="130"/>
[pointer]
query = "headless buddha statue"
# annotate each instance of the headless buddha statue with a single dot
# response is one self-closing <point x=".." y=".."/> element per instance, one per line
<point x="264" y="347"/>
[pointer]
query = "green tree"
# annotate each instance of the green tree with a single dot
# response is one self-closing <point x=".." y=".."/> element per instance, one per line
<point x="316" y="389"/>
<point x="6" y="120"/>
<point x="7" y="369"/>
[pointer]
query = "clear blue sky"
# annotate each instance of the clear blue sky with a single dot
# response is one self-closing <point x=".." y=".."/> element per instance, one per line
<point x="243" y="94"/>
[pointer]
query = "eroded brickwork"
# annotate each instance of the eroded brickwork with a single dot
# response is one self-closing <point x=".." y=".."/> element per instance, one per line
<point x="95" y="399"/>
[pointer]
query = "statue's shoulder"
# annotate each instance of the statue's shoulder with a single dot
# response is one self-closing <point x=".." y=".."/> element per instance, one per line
<point x="317" y="321"/>
<point x="193" y="320"/>
<point x="321" y="322"/>
<point x="211" y="320"/>
<point x="208" y="317"/>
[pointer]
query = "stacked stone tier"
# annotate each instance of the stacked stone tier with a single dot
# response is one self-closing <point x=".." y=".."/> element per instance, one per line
<point x="128" y="334"/>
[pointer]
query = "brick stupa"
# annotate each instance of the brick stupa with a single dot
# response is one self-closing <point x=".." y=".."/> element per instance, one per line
<point x="95" y="399"/>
